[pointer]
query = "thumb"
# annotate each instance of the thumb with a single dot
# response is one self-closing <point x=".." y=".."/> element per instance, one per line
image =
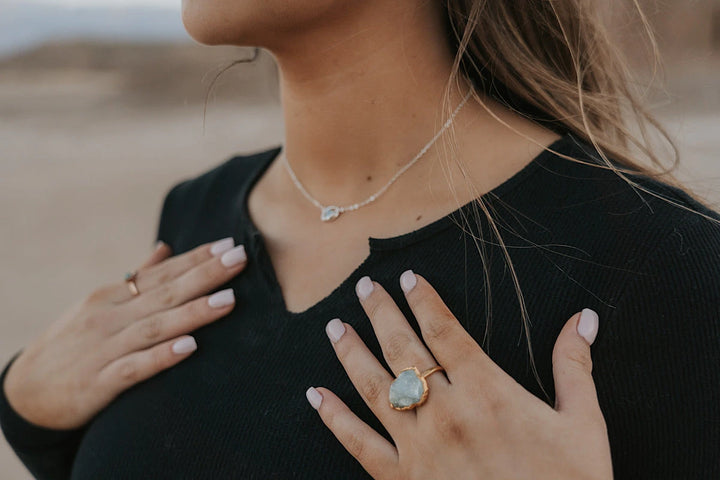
<point x="572" y="365"/>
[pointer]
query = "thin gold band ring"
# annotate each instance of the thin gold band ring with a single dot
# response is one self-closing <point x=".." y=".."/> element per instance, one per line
<point x="130" y="280"/>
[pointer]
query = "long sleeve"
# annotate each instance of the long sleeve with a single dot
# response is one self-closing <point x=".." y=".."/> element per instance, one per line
<point x="48" y="453"/>
<point x="659" y="362"/>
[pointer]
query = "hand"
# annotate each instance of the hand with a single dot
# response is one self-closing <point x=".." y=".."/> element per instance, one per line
<point x="112" y="340"/>
<point x="477" y="421"/>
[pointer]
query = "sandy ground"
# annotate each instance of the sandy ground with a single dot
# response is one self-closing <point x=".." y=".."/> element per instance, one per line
<point x="84" y="166"/>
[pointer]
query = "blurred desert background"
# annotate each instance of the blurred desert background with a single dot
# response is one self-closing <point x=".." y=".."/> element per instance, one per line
<point x="102" y="111"/>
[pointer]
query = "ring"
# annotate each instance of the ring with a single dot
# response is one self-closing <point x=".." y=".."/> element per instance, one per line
<point x="410" y="389"/>
<point x="130" y="280"/>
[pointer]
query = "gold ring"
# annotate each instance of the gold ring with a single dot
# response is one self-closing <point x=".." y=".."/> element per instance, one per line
<point x="410" y="389"/>
<point x="130" y="280"/>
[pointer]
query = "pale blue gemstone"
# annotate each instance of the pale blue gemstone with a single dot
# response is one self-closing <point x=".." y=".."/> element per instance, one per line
<point x="406" y="389"/>
<point x="329" y="213"/>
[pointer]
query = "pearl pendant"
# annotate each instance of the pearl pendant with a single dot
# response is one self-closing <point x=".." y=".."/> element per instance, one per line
<point x="329" y="213"/>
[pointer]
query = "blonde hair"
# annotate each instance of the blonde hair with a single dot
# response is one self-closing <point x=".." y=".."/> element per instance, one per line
<point x="553" y="62"/>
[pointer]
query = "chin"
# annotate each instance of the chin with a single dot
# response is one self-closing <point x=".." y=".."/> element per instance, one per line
<point x="254" y="22"/>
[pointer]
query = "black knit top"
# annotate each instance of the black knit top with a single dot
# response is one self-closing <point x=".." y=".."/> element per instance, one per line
<point x="579" y="236"/>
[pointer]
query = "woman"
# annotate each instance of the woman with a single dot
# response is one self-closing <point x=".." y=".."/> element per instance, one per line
<point x="345" y="247"/>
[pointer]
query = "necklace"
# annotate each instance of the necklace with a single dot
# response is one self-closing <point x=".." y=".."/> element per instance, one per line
<point x="331" y="212"/>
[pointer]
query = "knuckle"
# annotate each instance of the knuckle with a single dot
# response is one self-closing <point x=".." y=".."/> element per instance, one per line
<point x="151" y="328"/>
<point x="166" y="296"/>
<point x="396" y="347"/>
<point x="371" y="387"/>
<point x="330" y="416"/>
<point x="157" y="359"/>
<point x="493" y="402"/>
<point x="356" y="444"/>
<point x="99" y="295"/>
<point x="450" y="427"/>
<point x="344" y="347"/>
<point x="164" y="277"/>
<point x="200" y="253"/>
<point x="197" y="309"/>
<point x="577" y="357"/>
<point x="376" y="309"/>
<point x="128" y="372"/>
<point x="208" y="273"/>
<point x="94" y="320"/>
<point x="440" y="327"/>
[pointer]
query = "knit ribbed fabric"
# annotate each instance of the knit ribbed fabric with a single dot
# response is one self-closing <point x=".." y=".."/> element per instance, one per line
<point x="578" y="235"/>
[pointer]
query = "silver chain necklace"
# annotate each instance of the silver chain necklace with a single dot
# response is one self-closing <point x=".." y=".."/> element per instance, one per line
<point x="331" y="212"/>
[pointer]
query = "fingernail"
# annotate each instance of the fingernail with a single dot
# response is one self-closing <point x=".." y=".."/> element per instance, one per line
<point x="587" y="326"/>
<point x="222" y="298"/>
<point x="222" y="246"/>
<point x="184" y="345"/>
<point x="408" y="280"/>
<point x="364" y="288"/>
<point x="234" y="256"/>
<point x="159" y="244"/>
<point x="314" y="397"/>
<point x="335" y="329"/>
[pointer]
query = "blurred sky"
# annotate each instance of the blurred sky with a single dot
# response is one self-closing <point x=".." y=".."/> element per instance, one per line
<point x="173" y="4"/>
<point x="26" y="23"/>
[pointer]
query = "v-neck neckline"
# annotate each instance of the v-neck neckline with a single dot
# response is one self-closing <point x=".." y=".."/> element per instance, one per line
<point x="256" y="242"/>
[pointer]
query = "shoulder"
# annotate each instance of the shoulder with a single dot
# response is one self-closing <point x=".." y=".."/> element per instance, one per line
<point x="226" y="176"/>
<point x="614" y="232"/>
<point x="643" y="212"/>
<point x="197" y="199"/>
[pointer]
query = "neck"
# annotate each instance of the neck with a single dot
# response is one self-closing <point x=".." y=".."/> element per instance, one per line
<point x="363" y="105"/>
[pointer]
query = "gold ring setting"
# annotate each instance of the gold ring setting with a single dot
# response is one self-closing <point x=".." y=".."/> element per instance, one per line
<point x="130" y="280"/>
<point x="410" y="389"/>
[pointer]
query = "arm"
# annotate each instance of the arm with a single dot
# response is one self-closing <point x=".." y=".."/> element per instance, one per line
<point x="658" y="365"/>
<point x="49" y="453"/>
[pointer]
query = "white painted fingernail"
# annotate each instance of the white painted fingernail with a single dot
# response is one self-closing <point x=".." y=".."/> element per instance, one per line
<point x="222" y="246"/>
<point x="587" y="326"/>
<point x="364" y="287"/>
<point x="408" y="280"/>
<point x="234" y="256"/>
<point x="159" y="244"/>
<point x="223" y="298"/>
<point x="184" y="345"/>
<point x="335" y="329"/>
<point x="314" y="397"/>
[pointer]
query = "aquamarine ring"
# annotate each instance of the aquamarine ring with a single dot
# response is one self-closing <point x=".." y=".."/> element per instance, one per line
<point x="410" y="389"/>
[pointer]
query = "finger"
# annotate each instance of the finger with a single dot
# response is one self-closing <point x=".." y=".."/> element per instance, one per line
<point x="400" y="345"/>
<point x="368" y="376"/>
<point x="136" y="367"/>
<point x="161" y="252"/>
<point x="453" y="347"/>
<point x="376" y="455"/>
<point x="171" y="323"/>
<point x="189" y="285"/>
<point x="152" y="276"/>
<point x="572" y="366"/>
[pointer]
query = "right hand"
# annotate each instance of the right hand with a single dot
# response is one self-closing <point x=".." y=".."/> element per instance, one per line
<point x="112" y="340"/>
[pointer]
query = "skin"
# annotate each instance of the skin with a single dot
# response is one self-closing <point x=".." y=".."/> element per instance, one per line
<point x="477" y="421"/>
<point x="361" y="84"/>
<point x="111" y="340"/>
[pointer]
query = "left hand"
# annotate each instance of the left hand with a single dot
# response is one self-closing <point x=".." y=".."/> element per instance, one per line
<point x="477" y="421"/>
